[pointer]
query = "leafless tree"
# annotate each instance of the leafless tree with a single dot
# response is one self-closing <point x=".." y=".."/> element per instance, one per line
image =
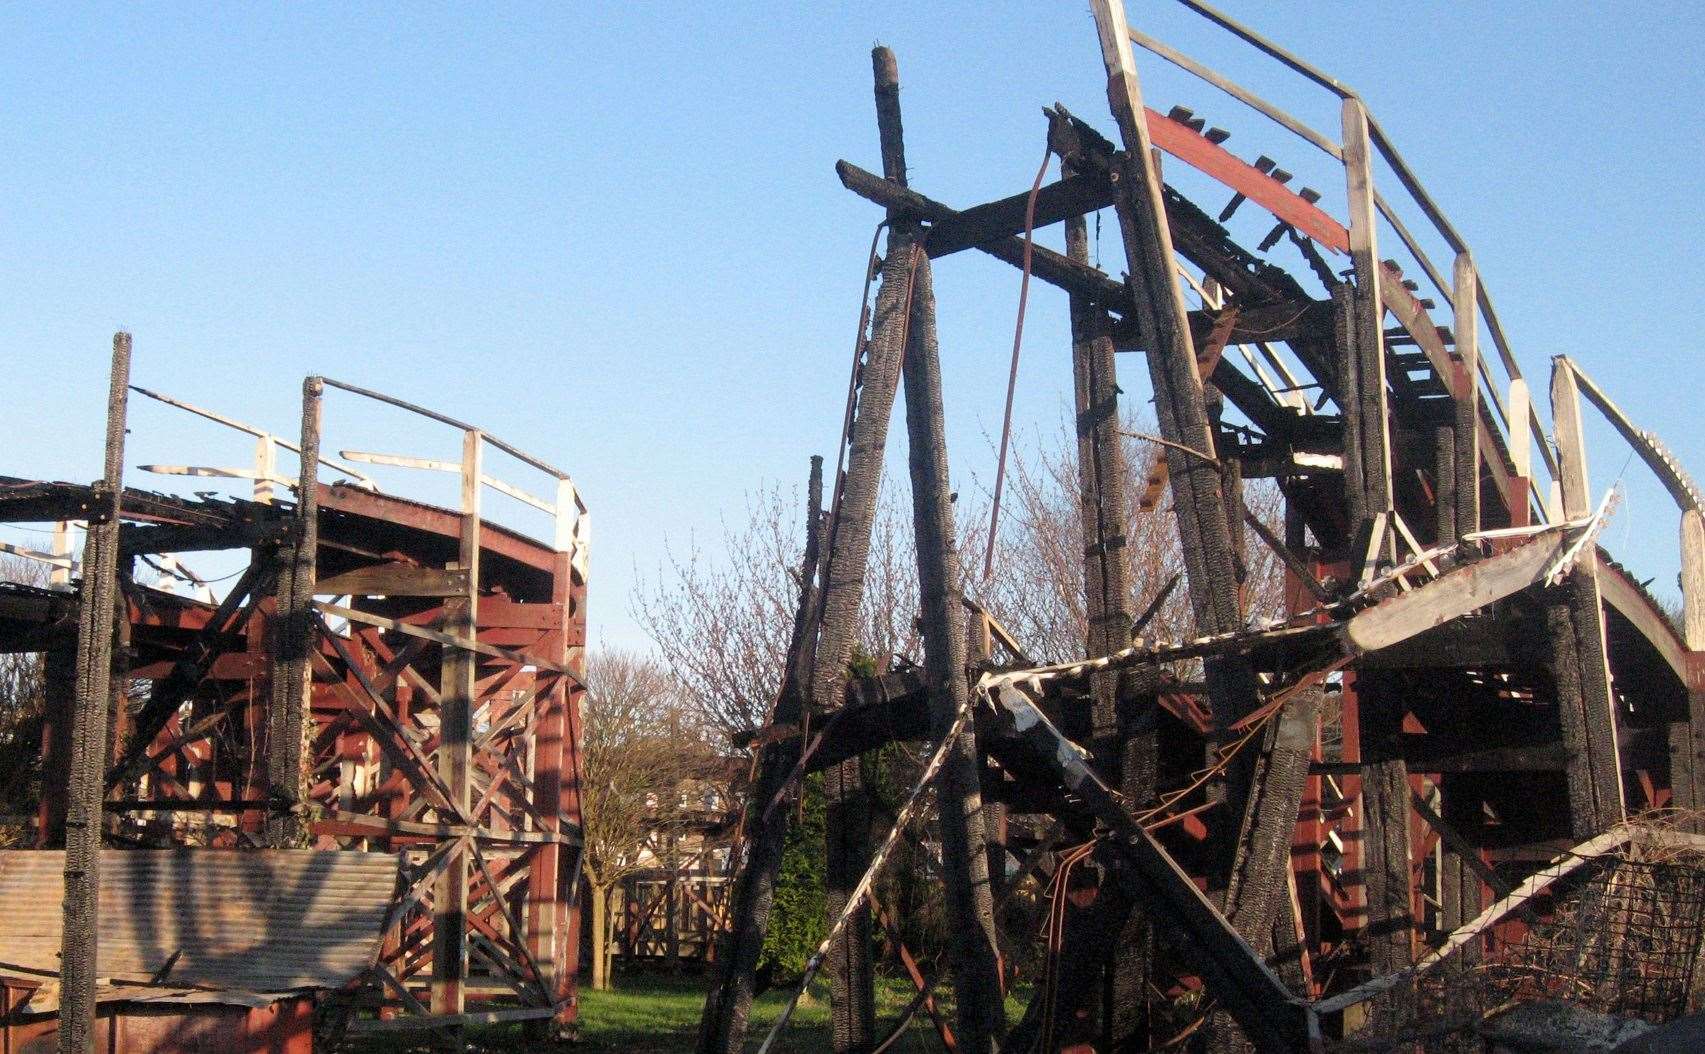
<point x="642" y="751"/>
<point x="1036" y="589"/>
<point x="721" y="625"/>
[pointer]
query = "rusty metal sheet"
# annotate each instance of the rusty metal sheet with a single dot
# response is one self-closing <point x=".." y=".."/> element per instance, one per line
<point x="258" y="921"/>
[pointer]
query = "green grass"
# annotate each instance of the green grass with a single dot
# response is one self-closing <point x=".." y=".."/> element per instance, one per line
<point x="653" y="1013"/>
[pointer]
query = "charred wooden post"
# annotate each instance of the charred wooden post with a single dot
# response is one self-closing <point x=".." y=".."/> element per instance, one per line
<point x="87" y="782"/>
<point x="965" y="861"/>
<point x="1575" y="623"/>
<point x="1181" y="413"/>
<point x="972" y="947"/>
<point x="1687" y="737"/>
<point x="722" y="1026"/>
<point x="294" y="625"/>
<point x="1105" y="934"/>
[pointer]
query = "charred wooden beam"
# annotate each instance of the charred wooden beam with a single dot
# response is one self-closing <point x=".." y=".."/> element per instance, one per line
<point x="1045" y="264"/>
<point x="722" y="1025"/>
<point x="1103" y="936"/>
<point x="292" y="678"/>
<point x="1181" y="410"/>
<point x="83" y="827"/>
<point x="135" y="539"/>
<point x="1575" y="620"/>
<point x="972" y="947"/>
<point x="1231" y="970"/>
<point x="1068" y="199"/>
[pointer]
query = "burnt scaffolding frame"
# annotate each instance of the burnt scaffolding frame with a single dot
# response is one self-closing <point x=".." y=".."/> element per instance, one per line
<point x="472" y="780"/>
<point x="1412" y="508"/>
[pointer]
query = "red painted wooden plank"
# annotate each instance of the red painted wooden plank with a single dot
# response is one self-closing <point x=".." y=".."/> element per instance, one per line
<point x="1195" y="150"/>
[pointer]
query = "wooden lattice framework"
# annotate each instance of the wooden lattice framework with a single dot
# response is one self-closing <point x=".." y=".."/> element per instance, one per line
<point x="384" y="675"/>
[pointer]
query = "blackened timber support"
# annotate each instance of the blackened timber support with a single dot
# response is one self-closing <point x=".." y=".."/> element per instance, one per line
<point x="1363" y="382"/>
<point x="1231" y="970"/>
<point x="972" y="948"/>
<point x="1260" y="877"/>
<point x="59" y="700"/>
<point x="1687" y="736"/>
<point x="1575" y="622"/>
<point x="1109" y="936"/>
<point x="722" y="1026"/>
<point x="286" y="825"/>
<point x="1157" y="305"/>
<point x="83" y="826"/>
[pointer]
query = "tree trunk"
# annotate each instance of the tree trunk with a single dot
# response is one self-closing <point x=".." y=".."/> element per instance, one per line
<point x="600" y="899"/>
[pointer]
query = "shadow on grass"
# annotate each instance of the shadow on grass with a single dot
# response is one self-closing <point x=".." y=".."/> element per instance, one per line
<point x="648" y="1013"/>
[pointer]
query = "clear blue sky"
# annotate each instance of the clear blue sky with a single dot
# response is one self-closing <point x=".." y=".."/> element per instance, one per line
<point x="613" y="235"/>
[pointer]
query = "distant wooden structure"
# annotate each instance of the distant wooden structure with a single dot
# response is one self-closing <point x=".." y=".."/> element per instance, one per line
<point x="383" y="675"/>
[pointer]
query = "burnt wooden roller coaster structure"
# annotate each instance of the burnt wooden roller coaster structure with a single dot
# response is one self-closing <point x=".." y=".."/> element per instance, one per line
<point x="1499" y="688"/>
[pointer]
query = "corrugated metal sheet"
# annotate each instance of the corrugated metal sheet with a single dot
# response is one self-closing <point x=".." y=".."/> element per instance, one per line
<point x="258" y="920"/>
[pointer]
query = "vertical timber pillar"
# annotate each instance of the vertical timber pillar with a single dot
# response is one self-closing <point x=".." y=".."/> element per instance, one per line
<point x="972" y="948"/>
<point x="550" y="749"/>
<point x="965" y="862"/>
<point x="457" y="671"/>
<point x="1465" y="296"/>
<point x="79" y="940"/>
<point x="292" y="677"/>
<point x="1687" y="737"/>
<point x="1115" y="939"/>
<point x="59" y="703"/>
<point x="1575" y="622"/>
<point x="1379" y="699"/>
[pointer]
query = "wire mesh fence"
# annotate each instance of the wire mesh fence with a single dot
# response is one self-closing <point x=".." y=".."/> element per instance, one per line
<point x="1622" y="936"/>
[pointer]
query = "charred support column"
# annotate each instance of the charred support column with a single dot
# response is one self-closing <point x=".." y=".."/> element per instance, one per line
<point x="294" y="625"/>
<point x="965" y="862"/>
<point x="722" y="1027"/>
<point x="456" y="675"/>
<point x="1367" y="420"/>
<point x="79" y="947"/>
<point x="1110" y="1009"/>
<point x="1181" y="413"/>
<point x="1687" y="737"/>
<point x="1459" y="884"/>
<point x="1575" y="623"/>
<point x="1367" y="464"/>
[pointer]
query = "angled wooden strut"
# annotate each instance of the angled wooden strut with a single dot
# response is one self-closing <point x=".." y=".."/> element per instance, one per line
<point x="1233" y="972"/>
<point x="722" y="1026"/>
<point x="1181" y="406"/>
<point x="1575" y="624"/>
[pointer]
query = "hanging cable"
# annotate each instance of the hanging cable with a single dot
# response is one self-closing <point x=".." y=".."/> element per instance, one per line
<point x="1012" y="372"/>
